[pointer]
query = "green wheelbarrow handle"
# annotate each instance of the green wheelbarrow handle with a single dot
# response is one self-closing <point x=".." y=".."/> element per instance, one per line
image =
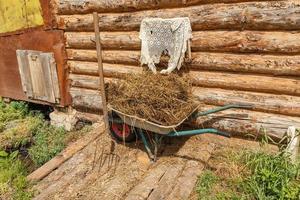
<point x="219" y="109"/>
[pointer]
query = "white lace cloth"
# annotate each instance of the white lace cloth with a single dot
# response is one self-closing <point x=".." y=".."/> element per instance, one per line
<point x="168" y="36"/>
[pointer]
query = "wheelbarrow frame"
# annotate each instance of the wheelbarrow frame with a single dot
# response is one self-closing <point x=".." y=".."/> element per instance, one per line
<point x="142" y="125"/>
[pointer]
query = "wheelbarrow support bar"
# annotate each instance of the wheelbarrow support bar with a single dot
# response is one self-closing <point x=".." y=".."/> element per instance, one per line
<point x="198" y="132"/>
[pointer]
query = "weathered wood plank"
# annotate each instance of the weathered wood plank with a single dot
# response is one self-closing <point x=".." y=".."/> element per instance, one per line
<point x="245" y="82"/>
<point x="166" y="182"/>
<point x="217" y="41"/>
<point x="187" y="181"/>
<point x="252" y="63"/>
<point x="25" y="73"/>
<point x="145" y="187"/>
<point x="283" y="15"/>
<point x="101" y="6"/>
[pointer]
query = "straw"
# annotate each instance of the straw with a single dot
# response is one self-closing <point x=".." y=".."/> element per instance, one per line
<point x="162" y="99"/>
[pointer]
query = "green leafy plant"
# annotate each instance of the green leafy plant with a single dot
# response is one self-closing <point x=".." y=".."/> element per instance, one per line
<point x="48" y="141"/>
<point x="272" y="176"/>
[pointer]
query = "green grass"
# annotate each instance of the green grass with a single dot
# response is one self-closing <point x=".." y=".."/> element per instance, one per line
<point x="19" y="126"/>
<point x="13" y="183"/>
<point x="14" y="110"/>
<point x="22" y="127"/>
<point x="259" y="176"/>
<point x="206" y="183"/>
<point x="19" y="132"/>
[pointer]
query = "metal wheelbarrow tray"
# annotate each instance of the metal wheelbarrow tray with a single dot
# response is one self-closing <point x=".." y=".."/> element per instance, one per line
<point x="144" y="124"/>
<point x="158" y="130"/>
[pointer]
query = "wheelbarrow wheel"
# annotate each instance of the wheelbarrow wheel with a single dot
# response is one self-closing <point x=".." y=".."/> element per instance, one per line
<point x="122" y="132"/>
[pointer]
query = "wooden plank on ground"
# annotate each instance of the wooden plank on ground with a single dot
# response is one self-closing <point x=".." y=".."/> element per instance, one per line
<point x="166" y="183"/>
<point x="186" y="182"/>
<point x="142" y="190"/>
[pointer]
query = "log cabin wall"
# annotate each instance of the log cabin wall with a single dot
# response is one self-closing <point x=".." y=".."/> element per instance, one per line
<point x="243" y="51"/>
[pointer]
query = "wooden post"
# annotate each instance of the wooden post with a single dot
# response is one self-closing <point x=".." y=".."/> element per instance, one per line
<point x="100" y="69"/>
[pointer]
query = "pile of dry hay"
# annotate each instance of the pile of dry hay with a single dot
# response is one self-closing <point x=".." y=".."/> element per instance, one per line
<point x="165" y="100"/>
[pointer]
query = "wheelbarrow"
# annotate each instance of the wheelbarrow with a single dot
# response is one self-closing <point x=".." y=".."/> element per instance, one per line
<point x="125" y="127"/>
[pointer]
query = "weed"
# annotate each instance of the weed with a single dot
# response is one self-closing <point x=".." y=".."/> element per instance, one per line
<point x="48" y="141"/>
<point x="13" y="183"/>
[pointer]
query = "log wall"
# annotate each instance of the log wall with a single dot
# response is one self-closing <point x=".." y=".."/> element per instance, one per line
<point x="243" y="51"/>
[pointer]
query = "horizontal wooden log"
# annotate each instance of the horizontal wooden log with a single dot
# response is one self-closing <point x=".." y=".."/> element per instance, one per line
<point x="217" y="41"/>
<point x="101" y="6"/>
<point x="109" y="40"/>
<point x="281" y="104"/>
<point x="110" y="70"/>
<point x="257" y="83"/>
<point x="86" y="98"/>
<point x="108" y="56"/>
<point x="253" y="63"/>
<point x="245" y="123"/>
<point x="236" y="122"/>
<point x="283" y="15"/>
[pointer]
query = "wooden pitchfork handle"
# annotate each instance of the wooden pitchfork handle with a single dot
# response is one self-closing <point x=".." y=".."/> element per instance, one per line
<point x="100" y="70"/>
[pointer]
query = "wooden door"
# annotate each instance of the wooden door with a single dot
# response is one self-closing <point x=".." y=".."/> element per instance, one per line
<point x="39" y="75"/>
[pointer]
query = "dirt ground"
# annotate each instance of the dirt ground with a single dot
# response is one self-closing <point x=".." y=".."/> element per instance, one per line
<point x="128" y="173"/>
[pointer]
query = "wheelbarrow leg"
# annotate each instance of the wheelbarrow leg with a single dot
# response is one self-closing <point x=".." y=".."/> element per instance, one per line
<point x="157" y="143"/>
<point x="146" y="144"/>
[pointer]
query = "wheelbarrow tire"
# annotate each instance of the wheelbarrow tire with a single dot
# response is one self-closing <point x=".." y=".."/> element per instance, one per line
<point x="122" y="132"/>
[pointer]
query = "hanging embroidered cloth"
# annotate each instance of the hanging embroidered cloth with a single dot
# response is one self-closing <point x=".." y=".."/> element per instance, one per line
<point x="169" y="36"/>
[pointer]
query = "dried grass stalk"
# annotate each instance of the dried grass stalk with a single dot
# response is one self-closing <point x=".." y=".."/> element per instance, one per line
<point x="165" y="100"/>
